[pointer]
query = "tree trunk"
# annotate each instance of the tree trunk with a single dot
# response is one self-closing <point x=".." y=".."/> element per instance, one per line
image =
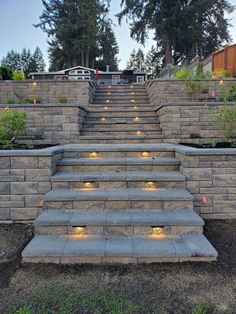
<point x="168" y="52"/>
<point x="82" y="58"/>
<point x="87" y="58"/>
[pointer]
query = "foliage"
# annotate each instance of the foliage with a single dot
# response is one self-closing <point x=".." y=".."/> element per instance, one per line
<point x="178" y="26"/>
<point x="12" y="124"/>
<point x="18" y="75"/>
<point x="25" y="61"/>
<point x="38" y="99"/>
<point x="220" y="73"/>
<point x="10" y="101"/>
<point x="229" y="94"/>
<point x="224" y="119"/>
<point x="62" y="99"/>
<point x="203" y="308"/>
<point x="183" y="74"/>
<point x="73" y="29"/>
<point x="62" y="300"/>
<point x="137" y="61"/>
<point x="25" y="100"/>
<point x="30" y="144"/>
<point x="5" y="72"/>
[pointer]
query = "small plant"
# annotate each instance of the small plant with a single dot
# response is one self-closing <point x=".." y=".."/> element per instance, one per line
<point x="23" y="310"/>
<point x="12" y="124"/>
<point x="203" y="308"/>
<point x="224" y="119"/>
<point x="62" y="99"/>
<point x="25" y="100"/>
<point x="18" y="75"/>
<point x="220" y="73"/>
<point x="183" y="74"/>
<point x="38" y="99"/>
<point x="10" y="101"/>
<point x="30" y="144"/>
<point x="229" y="94"/>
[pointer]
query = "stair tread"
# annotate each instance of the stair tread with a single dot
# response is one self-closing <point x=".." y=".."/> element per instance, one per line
<point x="117" y="176"/>
<point x="135" y="147"/>
<point x="176" y="217"/>
<point x="118" y="160"/>
<point x="85" y="128"/>
<point x="164" y="194"/>
<point x="187" y="245"/>
<point x="119" y="137"/>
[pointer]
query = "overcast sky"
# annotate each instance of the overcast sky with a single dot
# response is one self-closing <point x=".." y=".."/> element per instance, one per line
<point x="18" y="16"/>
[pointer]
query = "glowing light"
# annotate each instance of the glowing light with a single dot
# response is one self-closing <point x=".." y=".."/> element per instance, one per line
<point x="105" y="108"/>
<point x="103" y="119"/>
<point x="150" y="185"/>
<point x="139" y="133"/>
<point x="93" y="155"/>
<point x="132" y="93"/>
<point x="158" y="230"/>
<point x="107" y="100"/>
<point x="135" y="107"/>
<point x="145" y="154"/>
<point x="88" y="185"/>
<point x="79" y="230"/>
<point x="221" y="82"/>
<point x="132" y="100"/>
<point x="131" y="86"/>
<point x="109" y="93"/>
<point x="136" y="119"/>
<point x="6" y="109"/>
<point x="109" y="86"/>
<point x="34" y="84"/>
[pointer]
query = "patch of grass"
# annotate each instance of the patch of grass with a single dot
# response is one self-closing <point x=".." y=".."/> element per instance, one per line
<point x="203" y="308"/>
<point x="60" y="300"/>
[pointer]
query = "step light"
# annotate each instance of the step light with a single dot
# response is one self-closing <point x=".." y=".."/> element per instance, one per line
<point x="221" y="82"/>
<point x="135" y="107"/>
<point x="139" y="133"/>
<point x="131" y="86"/>
<point x="88" y="185"/>
<point x="158" y="230"/>
<point x="145" y="154"/>
<point x="151" y="185"/>
<point x="103" y="119"/>
<point x="105" y="108"/>
<point x="132" y="100"/>
<point x="79" y="230"/>
<point x="34" y="84"/>
<point x="107" y="100"/>
<point x="93" y="155"/>
<point x="137" y="119"/>
<point x="132" y="93"/>
<point x="109" y="86"/>
<point x="109" y="93"/>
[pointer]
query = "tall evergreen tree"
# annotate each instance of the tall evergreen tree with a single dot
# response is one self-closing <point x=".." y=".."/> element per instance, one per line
<point x="108" y="47"/>
<point x="178" y="24"/>
<point x="137" y="61"/>
<point x="12" y="60"/>
<point x="72" y="27"/>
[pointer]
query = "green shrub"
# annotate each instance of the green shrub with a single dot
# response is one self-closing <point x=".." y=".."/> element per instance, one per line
<point x="5" y="72"/>
<point x="38" y="99"/>
<point x="224" y="119"/>
<point x="203" y="308"/>
<point x="183" y="74"/>
<point x="23" y="310"/>
<point x="12" y="124"/>
<point x="10" y="101"/>
<point x="229" y="94"/>
<point x="25" y="100"/>
<point x="18" y="75"/>
<point x="220" y="73"/>
<point x="62" y="99"/>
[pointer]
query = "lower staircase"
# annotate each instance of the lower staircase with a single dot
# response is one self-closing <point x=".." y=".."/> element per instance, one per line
<point x="118" y="203"/>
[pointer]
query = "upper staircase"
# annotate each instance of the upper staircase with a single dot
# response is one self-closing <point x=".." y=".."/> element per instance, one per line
<point x="119" y="203"/>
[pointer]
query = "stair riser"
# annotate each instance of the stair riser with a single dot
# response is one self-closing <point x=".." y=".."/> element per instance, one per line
<point x="110" y="154"/>
<point x="119" y="96"/>
<point x="121" y="101"/>
<point x="117" y="109"/>
<point x="101" y="125"/>
<point x="116" y="205"/>
<point x="116" y="167"/>
<point x="122" y="133"/>
<point x="111" y="231"/>
<point x="117" y="184"/>
<point x="125" y="115"/>
<point x="120" y="141"/>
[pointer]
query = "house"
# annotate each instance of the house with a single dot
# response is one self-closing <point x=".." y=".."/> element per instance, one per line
<point x="102" y="77"/>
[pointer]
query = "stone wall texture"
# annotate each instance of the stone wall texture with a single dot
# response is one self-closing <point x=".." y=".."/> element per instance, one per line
<point x="190" y="122"/>
<point x="81" y="92"/>
<point x="25" y="176"/>
<point x="52" y="124"/>
<point x="163" y="91"/>
<point x="211" y="178"/>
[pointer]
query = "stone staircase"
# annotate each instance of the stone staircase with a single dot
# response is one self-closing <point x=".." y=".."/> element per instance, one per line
<point x="124" y="203"/>
<point x="121" y="114"/>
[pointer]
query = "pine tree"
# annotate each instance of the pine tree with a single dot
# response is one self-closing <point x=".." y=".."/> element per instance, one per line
<point x="178" y="24"/>
<point x="108" y="47"/>
<point x="12" y="60"/>
<point x="153" y="62"/>
<point x="137" y="61"/>
<point x="37" y="63"/>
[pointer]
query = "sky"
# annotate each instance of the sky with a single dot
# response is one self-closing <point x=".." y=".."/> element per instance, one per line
<point x="17" y="31"/>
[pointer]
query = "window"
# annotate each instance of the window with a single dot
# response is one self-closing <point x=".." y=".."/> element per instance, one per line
<point x="140" y="79"/>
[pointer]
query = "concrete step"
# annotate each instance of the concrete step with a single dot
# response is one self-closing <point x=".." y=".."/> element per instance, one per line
<point x="122" y="115"/>
<point x="118" y="132"/>
<point x="118" y="164"/>
<point x="125" y="109"/>
<point x="123" y="224"/>
<point x="106" y="180"/>
<point x="125" y="96"/>
<point x="120" y="126"/>
<point x="92" y="139"/>
<point x="92" y="250"/>
<point x="114" y="93"/>
<point x="102" y="105"/>
<point x="98" y="151"/>
<point x="113" y="199"/>
<point x="123" y="122"/>
<point x="121" y="101"/>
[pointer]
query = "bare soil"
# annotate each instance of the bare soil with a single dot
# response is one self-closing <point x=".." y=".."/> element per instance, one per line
<point x="159" y="288"/>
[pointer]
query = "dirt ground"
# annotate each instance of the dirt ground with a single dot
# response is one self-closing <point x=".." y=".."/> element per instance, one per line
<point x="160" y="288"/>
